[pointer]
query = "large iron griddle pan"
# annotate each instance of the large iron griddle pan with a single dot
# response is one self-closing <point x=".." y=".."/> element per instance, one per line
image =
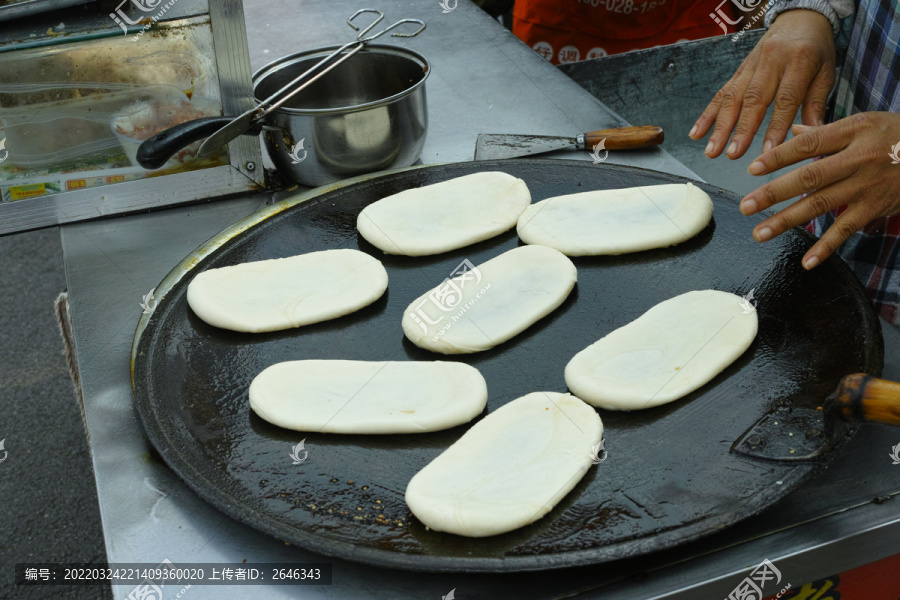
<point x="669" y="476"/>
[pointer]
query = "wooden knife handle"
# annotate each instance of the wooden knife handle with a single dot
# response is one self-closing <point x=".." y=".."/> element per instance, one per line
<point x="625" y="138"/>
<point x="861" y="397"/>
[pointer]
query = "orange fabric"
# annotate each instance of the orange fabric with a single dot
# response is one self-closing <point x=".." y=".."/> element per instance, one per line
<point x="879" y="580"/>
<point x="569" y="30"/>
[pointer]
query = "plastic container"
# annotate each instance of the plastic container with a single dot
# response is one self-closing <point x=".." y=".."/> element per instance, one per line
<point x="139" y="121"/>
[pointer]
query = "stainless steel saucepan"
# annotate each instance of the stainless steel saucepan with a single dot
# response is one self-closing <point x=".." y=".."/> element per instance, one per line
<point x="366" y="114"/>
<point x="369" y="114"/>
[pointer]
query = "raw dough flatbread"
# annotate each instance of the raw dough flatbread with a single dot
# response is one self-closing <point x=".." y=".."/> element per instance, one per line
<point x="489" y="304"/>
<point x="269" y="295"/>
<point x="354" y="396"/>
<point x="445" y="216"/>
<point x="510" y="469"/>
<point x="668" y="352"/>
<point x="617" y="221"/>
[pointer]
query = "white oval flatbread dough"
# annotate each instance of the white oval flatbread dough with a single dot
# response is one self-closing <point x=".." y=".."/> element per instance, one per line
<point x="352" y="396"/>
<point x="445" y="216"/>
<point x="668" y="352"/>
<point x="491" y="303"/>
<point x="281" y="293"/>
<point x="617" y="221"/>
<point x="510" y="469"/>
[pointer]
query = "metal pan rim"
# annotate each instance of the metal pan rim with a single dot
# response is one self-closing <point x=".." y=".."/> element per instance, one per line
<point x="291" y="59"/>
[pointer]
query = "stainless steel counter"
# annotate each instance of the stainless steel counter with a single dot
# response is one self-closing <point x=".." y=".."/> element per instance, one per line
<point x="483" y="80"/>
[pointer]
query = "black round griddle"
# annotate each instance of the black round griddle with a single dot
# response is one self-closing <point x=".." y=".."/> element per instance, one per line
<point x="669" y="476"/>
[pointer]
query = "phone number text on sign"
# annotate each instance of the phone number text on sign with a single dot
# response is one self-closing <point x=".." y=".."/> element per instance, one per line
<point x="625" y="7"/>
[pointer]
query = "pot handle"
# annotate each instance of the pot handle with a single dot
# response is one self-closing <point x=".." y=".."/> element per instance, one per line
<point x="155" y="151"/>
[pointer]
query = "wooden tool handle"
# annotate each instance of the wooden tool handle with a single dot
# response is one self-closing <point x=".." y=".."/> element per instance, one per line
<point x="861" y="397"/>
<point x="625" y="138"/>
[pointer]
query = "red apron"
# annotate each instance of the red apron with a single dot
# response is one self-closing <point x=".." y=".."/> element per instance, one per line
<point x="571" y="30"/>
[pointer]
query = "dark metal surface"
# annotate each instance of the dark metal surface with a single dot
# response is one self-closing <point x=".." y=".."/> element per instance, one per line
<point x="791" y="433"/>
<point x="669" y="477"/>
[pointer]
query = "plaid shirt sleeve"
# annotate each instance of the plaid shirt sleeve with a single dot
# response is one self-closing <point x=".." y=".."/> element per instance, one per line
<point x="872" y="254"/>
<point x="833" y="10"/>
<point x="868" y="81"/>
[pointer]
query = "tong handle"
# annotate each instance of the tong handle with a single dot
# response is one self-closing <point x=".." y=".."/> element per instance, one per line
<point x="304" y="85"/>
<point x="860" y="397"/>
<point x="362" y="34"/>
<point x="371" y="25"/>
<point x="357" y="45"/>
<point x="624" y="138"/>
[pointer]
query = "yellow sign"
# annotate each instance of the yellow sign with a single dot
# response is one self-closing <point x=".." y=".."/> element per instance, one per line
<point x="21" y="192"/>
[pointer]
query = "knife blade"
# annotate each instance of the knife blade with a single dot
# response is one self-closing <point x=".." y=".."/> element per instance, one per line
<point x="798" y="433"/>
<point x="499" y="145"/>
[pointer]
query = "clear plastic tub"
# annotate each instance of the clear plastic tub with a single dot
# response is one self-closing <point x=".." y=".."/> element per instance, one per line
<point x="141" y="120"/>
<point x="75" y="129"/>
<point x="68" y="108"/>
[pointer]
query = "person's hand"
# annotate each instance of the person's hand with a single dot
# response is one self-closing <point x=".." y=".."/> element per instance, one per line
<point x="858" y="173"/>
<point x="793" y="63"/>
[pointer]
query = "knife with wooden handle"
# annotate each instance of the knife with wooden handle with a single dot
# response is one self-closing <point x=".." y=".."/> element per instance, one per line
<point x="498" y="145"/>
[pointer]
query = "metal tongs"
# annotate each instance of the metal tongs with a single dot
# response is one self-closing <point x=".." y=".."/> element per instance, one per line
<point x="247" y="120"/>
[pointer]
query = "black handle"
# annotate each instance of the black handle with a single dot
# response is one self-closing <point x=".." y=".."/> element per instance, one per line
<point x="155" y="151"/>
